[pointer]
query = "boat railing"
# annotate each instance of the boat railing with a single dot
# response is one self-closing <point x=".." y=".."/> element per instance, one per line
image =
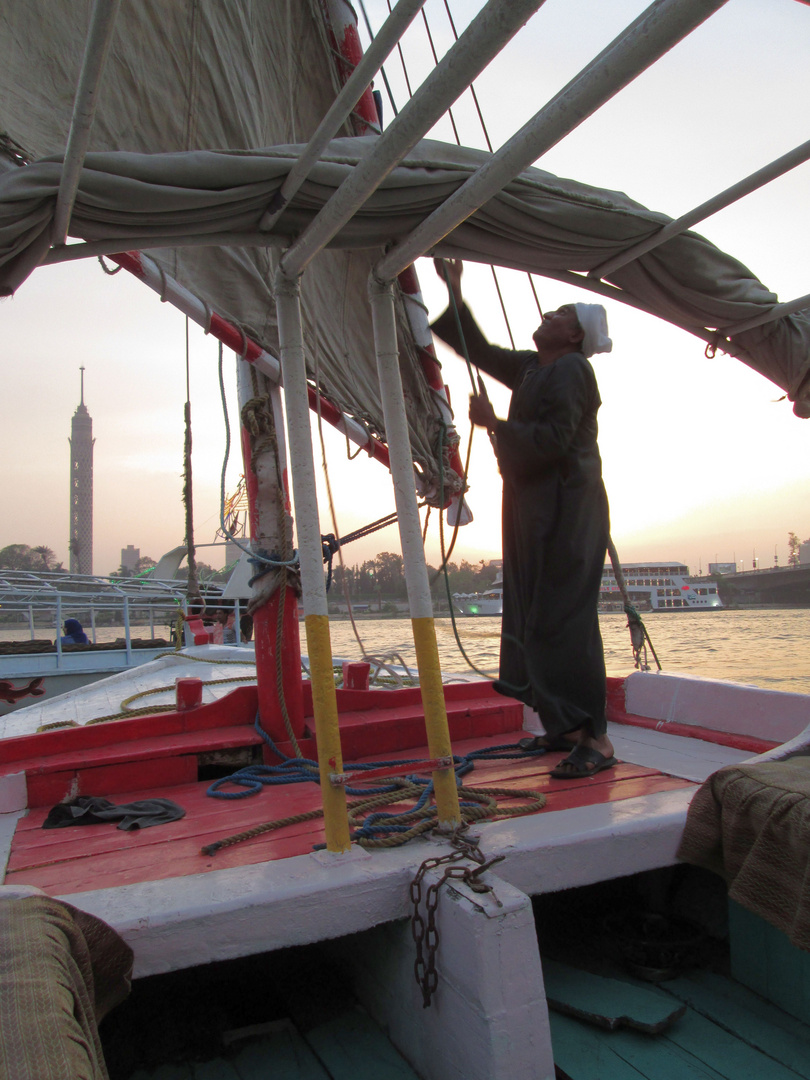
<point x="127" y="612"/>
<point x="93" y="614"/>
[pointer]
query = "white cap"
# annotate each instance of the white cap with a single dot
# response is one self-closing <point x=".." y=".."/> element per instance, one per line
<point x="593" y="320"/>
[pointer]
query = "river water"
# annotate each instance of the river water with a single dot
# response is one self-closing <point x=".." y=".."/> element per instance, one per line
<point x="769" y="648"/>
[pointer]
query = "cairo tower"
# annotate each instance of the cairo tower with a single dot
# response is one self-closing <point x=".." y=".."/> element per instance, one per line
<point x="81" y="489"/>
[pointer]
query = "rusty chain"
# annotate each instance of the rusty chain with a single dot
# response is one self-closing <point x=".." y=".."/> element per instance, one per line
<point x="426" y="935"/>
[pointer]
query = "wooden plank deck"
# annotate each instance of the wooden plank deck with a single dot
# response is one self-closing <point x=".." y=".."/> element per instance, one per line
<point x="83" y="858"/>
<point x="727" y="1033"/>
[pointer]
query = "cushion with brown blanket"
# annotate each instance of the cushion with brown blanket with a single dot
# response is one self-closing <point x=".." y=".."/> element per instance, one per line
<point x="751" y="824"/>
<point x="61" y="971"/>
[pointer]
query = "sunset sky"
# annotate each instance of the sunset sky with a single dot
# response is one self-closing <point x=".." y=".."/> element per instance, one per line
<point x="701" y="459"/>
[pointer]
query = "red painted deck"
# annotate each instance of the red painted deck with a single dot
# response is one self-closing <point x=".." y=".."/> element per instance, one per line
<point x="156" y="756"/>
<point x="78" y="859"/>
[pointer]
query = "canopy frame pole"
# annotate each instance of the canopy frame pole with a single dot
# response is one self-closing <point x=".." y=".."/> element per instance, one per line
<point x="777" y="312"/>
<point x="725" y="198"/>
<point x="483" y="39"/>
<point x="413" y="552"/>
<point x="310" y="553"/>
<point x="96" y="50"/>
<point x="266" y="518"/>
<point x="389" y="34"/>
<point x="652" y="34"/>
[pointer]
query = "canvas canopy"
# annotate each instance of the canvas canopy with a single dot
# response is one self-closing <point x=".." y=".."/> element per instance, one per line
<point x="538" y="222"/>
<point x="188" y="76"/>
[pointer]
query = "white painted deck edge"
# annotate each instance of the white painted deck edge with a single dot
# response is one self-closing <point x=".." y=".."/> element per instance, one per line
<point x="589" y="843"/>
<point x="721" y="706"/>
<point x="223" y="914"/>
<point x="13" y="792"/>
<point x="676" y="755"/>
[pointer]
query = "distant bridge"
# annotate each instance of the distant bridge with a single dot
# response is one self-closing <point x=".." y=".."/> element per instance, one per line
<point x="779" y="586"/>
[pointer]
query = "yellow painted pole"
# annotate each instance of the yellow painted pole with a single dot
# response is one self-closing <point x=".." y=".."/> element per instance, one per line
<point x="327" y="733"/>
<point x="438" y="732"/>
<point x="413" y="552"/>
<point x="310" y="553"/>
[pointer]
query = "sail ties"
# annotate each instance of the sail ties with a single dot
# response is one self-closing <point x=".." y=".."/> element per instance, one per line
<point x="273" y="569"/>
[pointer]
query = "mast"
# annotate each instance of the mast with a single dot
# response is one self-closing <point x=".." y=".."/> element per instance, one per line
<point x="274" y="601"/>
<point x="81" y="488"/>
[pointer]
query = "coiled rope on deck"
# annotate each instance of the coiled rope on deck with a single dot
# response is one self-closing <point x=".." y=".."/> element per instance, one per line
<point x="374" y="828"/>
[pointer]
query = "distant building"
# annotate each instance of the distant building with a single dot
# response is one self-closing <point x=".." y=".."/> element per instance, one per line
<point x="804" y="552"/>
<point x="129" y="557"/>
<point x="81" y="442"/>
<point x="722" y="568"/>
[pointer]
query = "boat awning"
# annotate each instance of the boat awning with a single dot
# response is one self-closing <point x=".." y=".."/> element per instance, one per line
<point x="538" y="222"/>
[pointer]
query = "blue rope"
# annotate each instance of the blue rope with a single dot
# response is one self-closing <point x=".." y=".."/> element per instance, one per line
<point x="292" y="771"/>
<point x="381" y="823"/>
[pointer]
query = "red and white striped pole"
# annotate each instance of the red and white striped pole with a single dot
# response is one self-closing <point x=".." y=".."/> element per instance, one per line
<point x="341" y="28"/>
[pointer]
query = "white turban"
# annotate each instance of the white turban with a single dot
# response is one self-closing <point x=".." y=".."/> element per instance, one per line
<point x="593" y="320"/>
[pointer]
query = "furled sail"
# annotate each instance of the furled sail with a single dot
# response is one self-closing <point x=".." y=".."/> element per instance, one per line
<point x="190" y="76"/>
<point x="208" y="87"/>
<point x="538" y="222"/>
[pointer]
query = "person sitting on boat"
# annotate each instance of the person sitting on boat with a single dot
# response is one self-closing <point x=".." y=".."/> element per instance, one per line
<point x="555" y="521"/>
<point x="224" y="630"/>
<point x="246" y="627"/>
<point x="74" y="634"/>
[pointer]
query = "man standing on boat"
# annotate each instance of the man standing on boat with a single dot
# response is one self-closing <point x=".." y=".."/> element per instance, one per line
<point x="555" y="520"/>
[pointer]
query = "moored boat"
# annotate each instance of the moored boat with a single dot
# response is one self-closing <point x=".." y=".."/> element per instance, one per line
<point x="658" y="586"/>
<point x="129" y="621"/>
<point x="488" y="602"/>
<point x="481" y="603"/>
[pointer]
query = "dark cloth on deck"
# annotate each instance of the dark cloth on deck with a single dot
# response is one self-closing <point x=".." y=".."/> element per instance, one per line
<point x="555" y="529"/>
<point x="92" y="810"/>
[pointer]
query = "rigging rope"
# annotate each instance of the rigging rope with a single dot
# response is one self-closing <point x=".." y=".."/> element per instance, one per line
<point x="458" y="143"/>
<point x="639" y="638"/>
<point x="264" y="561"/>
<point x="382" y="69"/>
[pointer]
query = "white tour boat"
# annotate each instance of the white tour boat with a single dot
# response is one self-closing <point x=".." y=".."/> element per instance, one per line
<point x="658" y="586"/>
<point x="489" y="602"/>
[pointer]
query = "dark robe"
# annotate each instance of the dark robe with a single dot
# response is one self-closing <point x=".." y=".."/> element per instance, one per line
<point x="555" y="530"/>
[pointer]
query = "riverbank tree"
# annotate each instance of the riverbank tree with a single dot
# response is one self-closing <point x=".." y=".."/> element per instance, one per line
<point x="383" y="579"/>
